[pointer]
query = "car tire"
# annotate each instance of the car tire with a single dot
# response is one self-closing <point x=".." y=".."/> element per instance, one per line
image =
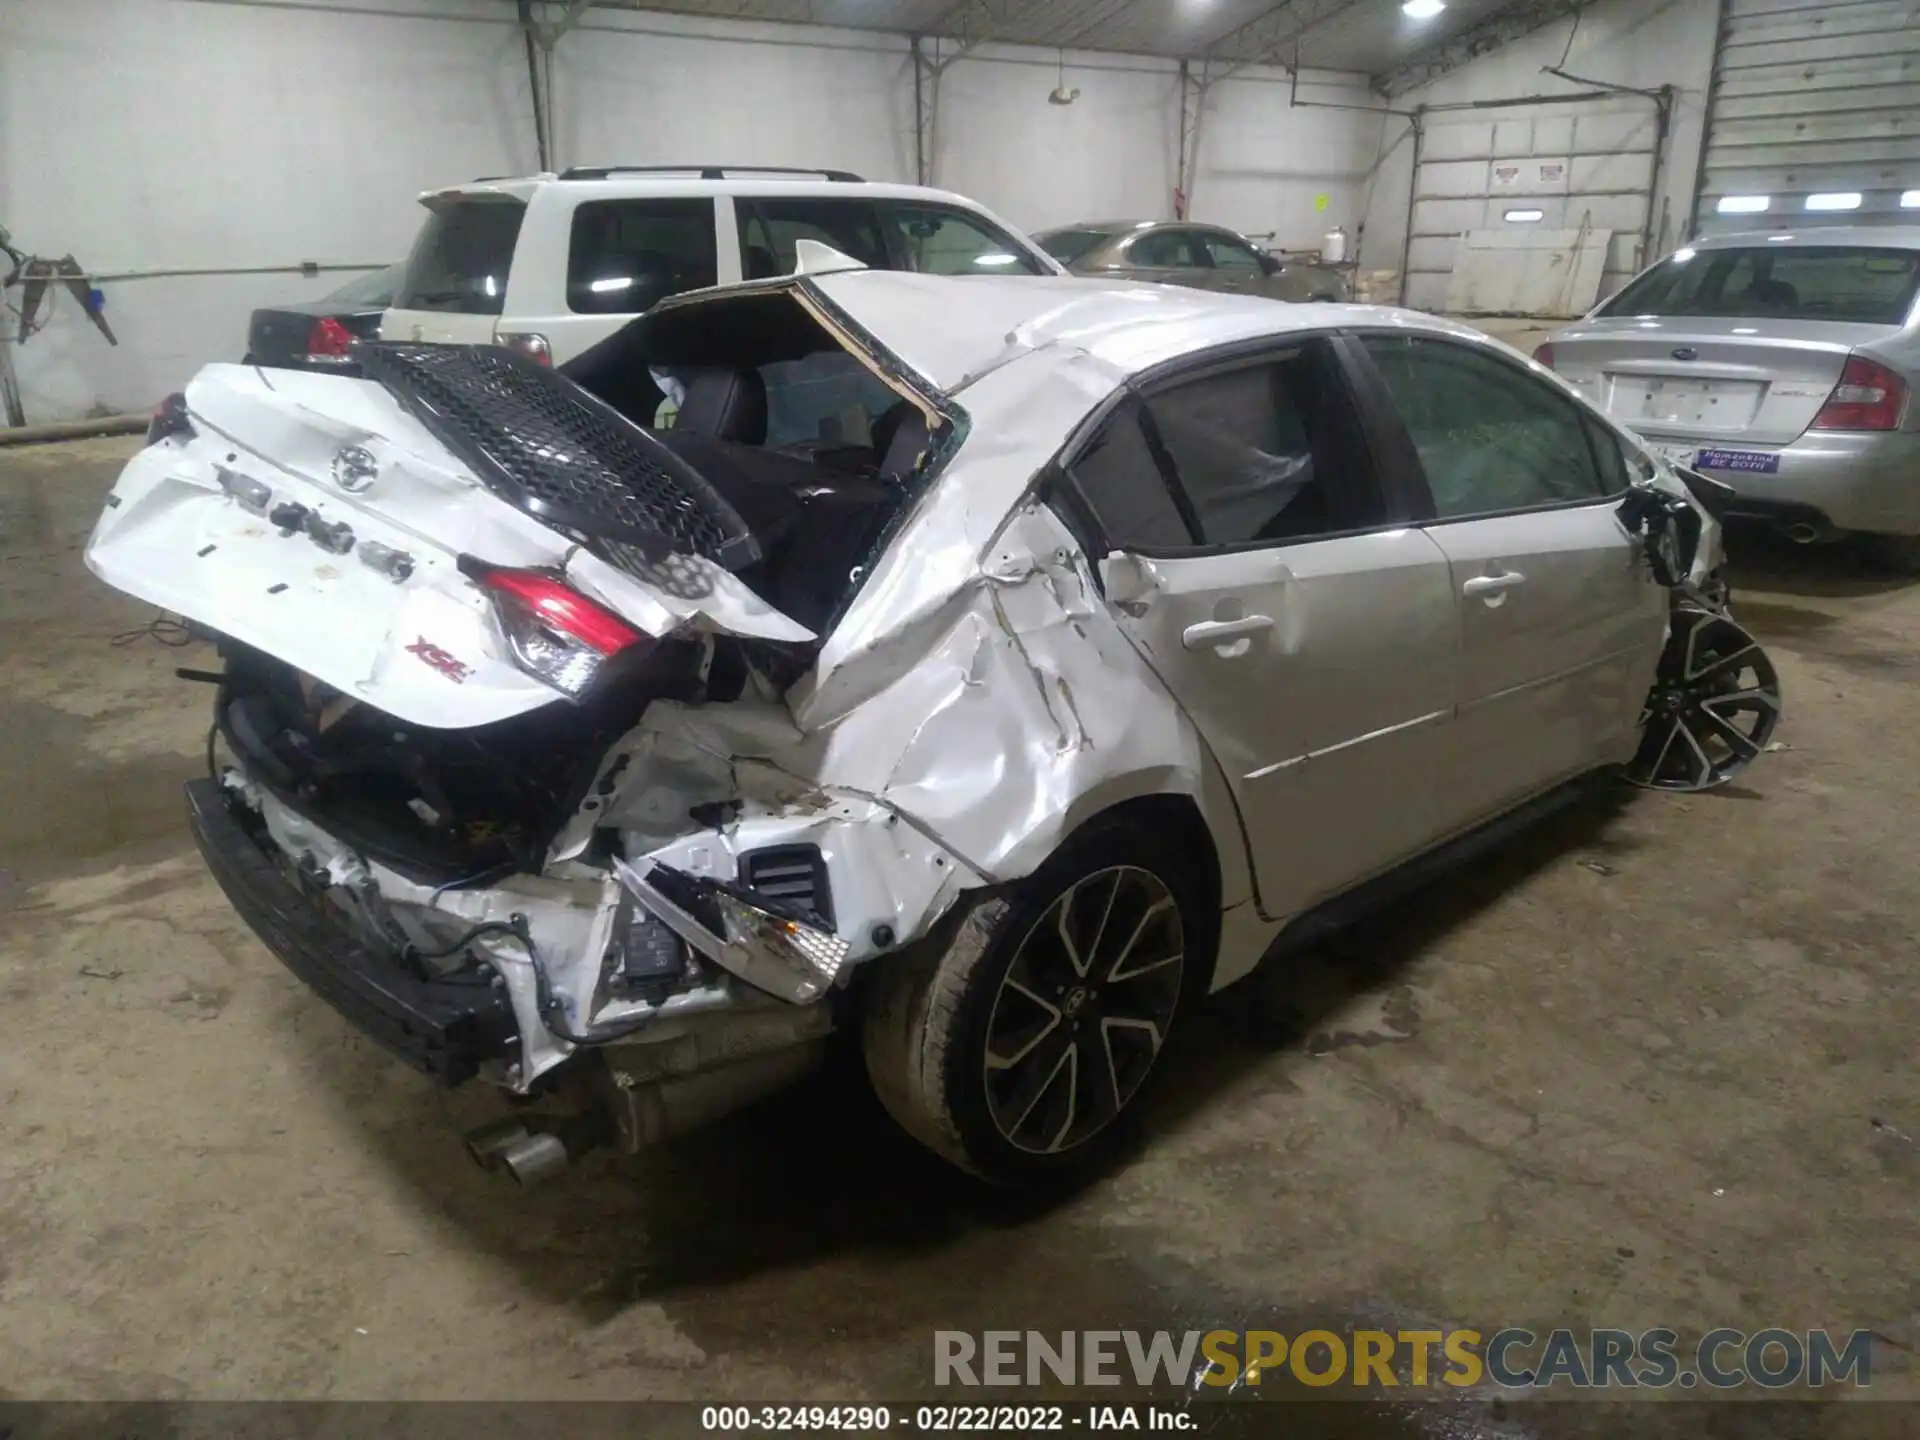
<point x="981" y="1040"/>
<point x="1898" y="553"/>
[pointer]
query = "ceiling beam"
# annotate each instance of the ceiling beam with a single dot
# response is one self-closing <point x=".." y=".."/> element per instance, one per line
<point x="1266" y="39"/>
<point x="1498" y="30"/>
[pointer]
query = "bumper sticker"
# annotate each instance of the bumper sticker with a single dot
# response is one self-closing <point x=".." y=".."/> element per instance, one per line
<point x="1752" y="462"/>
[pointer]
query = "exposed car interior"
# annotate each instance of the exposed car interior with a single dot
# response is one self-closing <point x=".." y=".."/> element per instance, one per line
<point x="812" y="447"/>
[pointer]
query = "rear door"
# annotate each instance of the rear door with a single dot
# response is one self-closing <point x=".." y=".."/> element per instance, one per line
<point x="1251" y="560"/>
<point x="1236" y="264"/>
<point x="1561" y="621"/>
<point x="1170" y="255"/>
<point x="592" y="258"/>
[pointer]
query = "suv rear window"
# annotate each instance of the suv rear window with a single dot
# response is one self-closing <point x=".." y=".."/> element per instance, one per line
<point x="461" y="258"/>
<point x="625" y="255"/>
<point x="1871" y="285"/>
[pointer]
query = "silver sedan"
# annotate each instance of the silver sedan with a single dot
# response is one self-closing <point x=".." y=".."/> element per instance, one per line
<point x="1177" y="252"/>
<point x="1781" y="364"/>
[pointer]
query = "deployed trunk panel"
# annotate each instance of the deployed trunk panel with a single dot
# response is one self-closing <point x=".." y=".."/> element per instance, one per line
<point x="546" y="445"/>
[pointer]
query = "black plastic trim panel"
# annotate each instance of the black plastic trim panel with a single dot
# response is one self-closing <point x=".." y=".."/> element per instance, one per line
<point x="566" y="457"/>
<point x="444" y="1029"/>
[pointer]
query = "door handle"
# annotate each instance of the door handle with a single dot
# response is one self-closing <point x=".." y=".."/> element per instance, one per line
<point x="1493" y="584"/>
<point x="1219" y="632"/>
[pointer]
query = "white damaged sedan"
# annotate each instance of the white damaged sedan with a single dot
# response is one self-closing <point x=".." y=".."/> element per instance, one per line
<point x="985" y="669"/>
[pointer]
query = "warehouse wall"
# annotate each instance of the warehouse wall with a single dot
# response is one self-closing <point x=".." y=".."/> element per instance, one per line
<point x="163" y="135"/>
<point x="1640" y="43"/>
<point x="207" y="134"/>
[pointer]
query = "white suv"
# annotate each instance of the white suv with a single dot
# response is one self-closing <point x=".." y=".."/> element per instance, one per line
<point x="550" y="265"/>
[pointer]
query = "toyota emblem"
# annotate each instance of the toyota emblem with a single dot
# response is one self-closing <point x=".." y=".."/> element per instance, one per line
<point x="354" y="469"/>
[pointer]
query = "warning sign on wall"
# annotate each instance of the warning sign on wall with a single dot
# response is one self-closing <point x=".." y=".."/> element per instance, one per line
<point x="1531" y="176"/>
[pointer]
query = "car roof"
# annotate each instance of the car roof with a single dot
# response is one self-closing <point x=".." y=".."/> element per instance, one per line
<point x="1904" y="237"/>
<point x="692" y="182"/>
<point x="952" y="329"/>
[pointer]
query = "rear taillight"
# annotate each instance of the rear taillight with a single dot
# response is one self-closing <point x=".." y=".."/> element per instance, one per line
<point x="534" y="347"/>
<point x="1543" y="354"/>
<point x="1868" y="397"/>
<point x="556" y="634"/>
<point x="329" y="341"/>
<point x="169" y="418"/>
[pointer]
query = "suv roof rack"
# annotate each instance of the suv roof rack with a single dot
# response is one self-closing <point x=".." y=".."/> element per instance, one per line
<point x="706" y="172"/>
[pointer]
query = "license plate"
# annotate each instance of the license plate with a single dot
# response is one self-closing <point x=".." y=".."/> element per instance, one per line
<point x="1750" y="462"/>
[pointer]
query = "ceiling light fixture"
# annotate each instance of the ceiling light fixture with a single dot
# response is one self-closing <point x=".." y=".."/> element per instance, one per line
<point x="1422" y="9"/>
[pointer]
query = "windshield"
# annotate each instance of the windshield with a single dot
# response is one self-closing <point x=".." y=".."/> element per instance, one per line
<point x="1870" y="285"/>
<point x="1067" y="246"/>
<point x="374" y="288"/>
<point x="461" y="258"/>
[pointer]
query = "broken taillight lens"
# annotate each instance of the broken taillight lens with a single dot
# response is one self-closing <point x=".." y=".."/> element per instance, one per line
<point x="555" y="633"/>
<point x="169" y="418"/>
<point x="534" y="347"/>
<point x="1868" y="397"/>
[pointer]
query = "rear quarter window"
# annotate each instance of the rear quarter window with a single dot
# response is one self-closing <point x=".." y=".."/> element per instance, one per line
<point x="626" y="255"/>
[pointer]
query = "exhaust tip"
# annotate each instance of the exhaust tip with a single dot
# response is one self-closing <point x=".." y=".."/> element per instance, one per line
<point x="486" y="1143"/>
<point x="533" y="1159"/>
<point x="1801" y="533"/>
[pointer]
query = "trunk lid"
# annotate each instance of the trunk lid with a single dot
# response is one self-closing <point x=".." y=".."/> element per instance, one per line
<point x="1751" y="381"/>
<point x="322" y="520"/>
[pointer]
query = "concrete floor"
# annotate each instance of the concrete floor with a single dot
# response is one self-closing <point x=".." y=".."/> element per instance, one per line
<point x="1651" y="1064"/>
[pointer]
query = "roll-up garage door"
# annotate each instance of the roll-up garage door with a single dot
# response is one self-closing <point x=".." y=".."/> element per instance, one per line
<point x="1561" y="167"/>
<point x="1814" y="117"/>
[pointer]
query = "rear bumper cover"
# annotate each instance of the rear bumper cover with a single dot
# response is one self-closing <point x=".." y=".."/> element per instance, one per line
<point x="1857" y="481"/>
<point x="443" y="1029"/>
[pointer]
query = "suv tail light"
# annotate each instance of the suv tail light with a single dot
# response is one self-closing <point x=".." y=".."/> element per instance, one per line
<point x="1543" y="354"/>
<point x="556" y="634"/>
<point x="328" y="342"/>
<point x="169" y="419"/>
<point x="1868" y="397"/>
<point x="534" y="347"/>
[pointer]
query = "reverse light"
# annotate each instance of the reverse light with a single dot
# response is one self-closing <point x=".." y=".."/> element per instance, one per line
<point x="1868" y="397"/>
<point x="169" y="419"/>
<point x="556" y="634"/>
<point x="534" y="347"/>
<point x="328" y="342"/>
<point x="1543" y="354"/>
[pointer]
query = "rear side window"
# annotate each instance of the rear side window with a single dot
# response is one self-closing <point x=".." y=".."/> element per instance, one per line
<point x="1491" y="437"/>
<point x="1267" y="453"/>
<point x="938" y="240"/>
<point x="625" y="255"/>
<point x="769" y="230"/>
<point x="1870" y="285"/>
<point x="1176" y="249"/>
<point x="1121" y="482"/>
<point x="461" y="257"/>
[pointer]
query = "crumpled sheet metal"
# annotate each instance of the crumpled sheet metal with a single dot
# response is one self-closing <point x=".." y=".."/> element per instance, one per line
<point x="975" y="706"/>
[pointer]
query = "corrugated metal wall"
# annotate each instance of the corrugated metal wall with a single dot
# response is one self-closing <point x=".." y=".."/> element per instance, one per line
<point x="1575" y="164"/>
<point x="1812" y="98"/>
